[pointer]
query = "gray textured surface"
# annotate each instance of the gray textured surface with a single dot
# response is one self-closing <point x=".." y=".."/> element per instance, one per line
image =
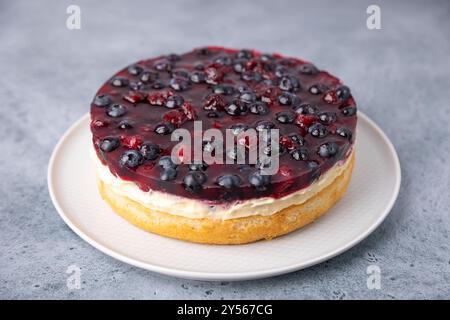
<point x="399" y="76"/>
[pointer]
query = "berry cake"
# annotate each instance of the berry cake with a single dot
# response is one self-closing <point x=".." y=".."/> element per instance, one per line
<point x="135" y="113"/>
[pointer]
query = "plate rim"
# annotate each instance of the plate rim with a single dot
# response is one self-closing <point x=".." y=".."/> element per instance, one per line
<point x="232" y="276"/>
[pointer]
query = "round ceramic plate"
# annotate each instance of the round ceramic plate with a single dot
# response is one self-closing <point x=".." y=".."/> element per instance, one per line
<point x="371" y="195"/>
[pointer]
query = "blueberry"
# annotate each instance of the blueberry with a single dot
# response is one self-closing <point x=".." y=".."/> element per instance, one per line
<point x="135" y="85"/>
<point x="229" y="181"/>
<point x="194" y="180"/>
<point x="174" y="101"/>
<point x="342" y="92"/>
<point x="259" y="107"/>
<point x="285" y="117"/>
<point x="125" y="124"/>
<point x="308" y="68"/>
<point x="305" y="108"/>
<point x="267" y="57"/>
<point x="344" y="132"/>
<point x="164" y="128"/>
<point x="149" y="151"/>
<point x="168" y="174"/>
<point x="173" y="57"/>
<point x="242" y="88"/>
<point x="148" y="76"/>
<point x="327" y="117"/>
<point x="224" y="60"/>
<point x="251" y="76"/>
<point x="286" y="98"/>
<point x="349" y="111"/>
<point x="226" y="90"/>
<point x="198" y="77"/>
<point x="119" y="82"/>
<point x="248" y="97"/>
<point x="102" y="100"/>
<point x="264" y="125"/>
<point x="318" y="88"/>
<point x="130" y="158"/>
<point x="244" y="54"/>
<point x="239" y="65"/>
<point x="238" y="128"/>
<point x="109" y="144"/>
<point x="180" y="73"/>
<point x="163" y="65"/>
<point x="116" y="110"/>
<point x="328" y="150"/>
<point x="289" y="83"/>
<point x="259" y="181"/>
<point x="280" y="71"/>
<point x="158" y="84"/>
<point x="236" y="108"/>
<point x="299" y="154"/>
<point x="166" y="162"/>
<point x="297" y="138"/>
<point x="198" y="166"/>
<point x="179" y="84"/>
<point x="318" y="130"/>
<point x="134" y="70"/>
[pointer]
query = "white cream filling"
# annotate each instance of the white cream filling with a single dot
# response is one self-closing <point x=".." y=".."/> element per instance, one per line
<point x="190" y="208"/>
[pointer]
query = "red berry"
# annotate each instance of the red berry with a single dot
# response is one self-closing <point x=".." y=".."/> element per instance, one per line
<point x="287" y="143"/>
<point x="99" y="123"/>
<point x="285" y="171"/>
<point x="175" y="117"/>
<point x="213" y="74"/>
<point x="330" y="97"/>
<point x="159" y="98"/>
<point x="214" y="102"/>
<point x="132" y="142"/>
<point x="189" y="111"/>
<point x="134" y="96"/>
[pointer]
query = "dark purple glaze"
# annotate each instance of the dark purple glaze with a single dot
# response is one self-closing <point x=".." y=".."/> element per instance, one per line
<point x="132" y="106"/>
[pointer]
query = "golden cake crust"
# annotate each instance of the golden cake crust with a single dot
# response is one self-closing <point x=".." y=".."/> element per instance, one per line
<point x="232" y="231"/>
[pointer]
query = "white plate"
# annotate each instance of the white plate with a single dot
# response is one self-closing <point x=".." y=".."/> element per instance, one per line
<point x="371" y="195"/>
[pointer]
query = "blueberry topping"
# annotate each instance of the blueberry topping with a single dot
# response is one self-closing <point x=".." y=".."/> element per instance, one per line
<point x="342" y="92"/>
<point x="242" y="88"/>
<point x="179" y="84"/>
<point x="166" y="162"/>
<point x="289" y="83"/>
<point x="318" y="88"/>
<point x="259" y="181"/>
<point x="163" y="65"/>
<point x="130" y="159"/>
<point x="327" y="117"/>
<point x="318" y="130"/>
<point x="244" y="54"/>
<point x="198" y="166"/>
<point x="264" y="125"/>
<point x="119" y="82"/>
<point x="297" y="138"/>
<point x="285" y="117"/>
<point x="299" y="154"/>
<point x="308" y="68"/>
<point x="349" y="111"/>
<point x="259" y="107"/>
<point x="164" y="128"/>
<point x="116" y="110"/>
<point x="109" y="144"/>
<point x="102" y="100"/>
<point x="168" y="174"/>
<point x="251" y="76"/>
<point x="148" y="76"/>
<point x="125" y="124"/>
<point x="248" y="97"/>
<point x="226" y="90"/>
<point x="287" y="98"/>
<point x="229" y="181"/>
<point x="238" y="128"/>
<point x="344" y="132"/>
<point x="149" y="151"/>
<point x="328" y="150"/>
<point x="236" y="109"/>
<point x="198" y="77"/>
<point x="239" y="65"/>
<point x="134" y="70"/>
<point x="173" y="57"/>
<point x="305" y="108"/>
<point x="280" y="71"/>
<point x="224" y="60"/>
<point x="194" y="180"/>
<point x="158" y="84"/>
<point x="174" y="101"/>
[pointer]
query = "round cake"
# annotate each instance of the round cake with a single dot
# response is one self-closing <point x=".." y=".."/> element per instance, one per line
<point x="222" y="146"/>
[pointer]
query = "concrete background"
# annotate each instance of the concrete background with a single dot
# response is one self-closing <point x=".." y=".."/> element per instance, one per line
<point x="399" y="76"/>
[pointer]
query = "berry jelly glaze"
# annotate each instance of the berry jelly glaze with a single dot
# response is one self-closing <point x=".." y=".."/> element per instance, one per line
<point x="134" y="112"/>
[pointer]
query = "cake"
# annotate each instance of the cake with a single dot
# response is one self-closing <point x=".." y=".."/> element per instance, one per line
<point x="304" y="120"/>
